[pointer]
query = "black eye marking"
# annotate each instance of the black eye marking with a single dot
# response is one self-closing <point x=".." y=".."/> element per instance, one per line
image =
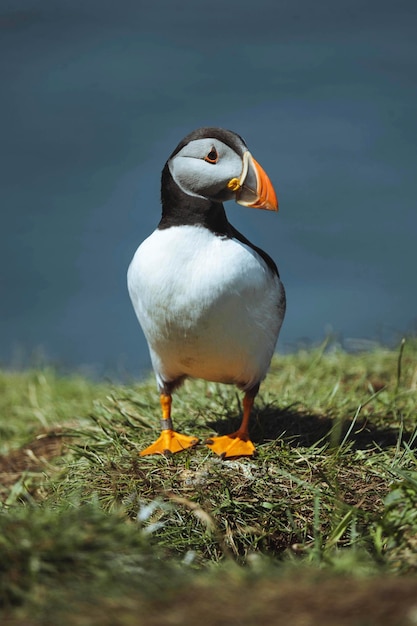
<point x="212" y="156"/>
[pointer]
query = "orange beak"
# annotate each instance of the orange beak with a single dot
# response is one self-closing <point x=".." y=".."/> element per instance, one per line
<point x="253" y="188"/>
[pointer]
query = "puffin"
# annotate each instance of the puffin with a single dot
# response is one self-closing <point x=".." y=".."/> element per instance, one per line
<point x="210" y="302"/>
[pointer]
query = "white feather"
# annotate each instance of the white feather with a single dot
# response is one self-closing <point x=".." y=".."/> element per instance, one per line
<point x="209" y="306"/>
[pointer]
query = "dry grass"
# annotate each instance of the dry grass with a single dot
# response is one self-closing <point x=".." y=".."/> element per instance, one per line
<point x="331" y="493"/>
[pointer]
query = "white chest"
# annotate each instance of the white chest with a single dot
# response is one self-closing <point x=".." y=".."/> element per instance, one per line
<point x="207" y="305"/>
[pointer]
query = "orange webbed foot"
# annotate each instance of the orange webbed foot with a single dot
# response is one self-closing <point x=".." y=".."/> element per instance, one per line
<point x="170" y="442"/>
<point x="233" y="445"/>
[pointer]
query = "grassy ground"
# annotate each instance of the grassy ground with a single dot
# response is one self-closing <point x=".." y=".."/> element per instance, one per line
<point x="319" y="528"/>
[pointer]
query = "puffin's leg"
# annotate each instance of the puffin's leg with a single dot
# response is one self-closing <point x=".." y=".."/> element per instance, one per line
<point x="237" y="443"/>
<point x="169" y="441"/>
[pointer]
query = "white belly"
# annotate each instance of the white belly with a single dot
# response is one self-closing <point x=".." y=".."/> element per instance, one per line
<point x="208" y="306"/>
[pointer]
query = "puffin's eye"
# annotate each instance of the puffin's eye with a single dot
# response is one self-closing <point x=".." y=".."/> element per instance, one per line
<point x="212" y="156"/>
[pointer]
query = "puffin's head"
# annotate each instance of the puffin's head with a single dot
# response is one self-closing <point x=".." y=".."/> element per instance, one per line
<point x="216" y="164"/>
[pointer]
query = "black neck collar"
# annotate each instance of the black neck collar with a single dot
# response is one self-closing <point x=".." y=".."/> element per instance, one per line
<point x="180" y="209"/>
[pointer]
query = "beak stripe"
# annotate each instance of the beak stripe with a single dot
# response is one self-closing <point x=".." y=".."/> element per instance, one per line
<point x="264" y="196"/>
<point x="267" y="198"/>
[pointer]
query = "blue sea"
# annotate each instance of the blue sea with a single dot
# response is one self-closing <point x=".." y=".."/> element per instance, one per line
<point x="96" y="95"/>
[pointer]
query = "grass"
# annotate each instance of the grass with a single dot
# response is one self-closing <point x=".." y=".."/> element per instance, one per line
<point x="319" y="528"/>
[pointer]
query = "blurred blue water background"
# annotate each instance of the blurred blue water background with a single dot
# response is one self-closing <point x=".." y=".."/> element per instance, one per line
<point x="96" y="94"/>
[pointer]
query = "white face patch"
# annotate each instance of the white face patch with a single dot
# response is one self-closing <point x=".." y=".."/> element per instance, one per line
<point x="203" y="178"/>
